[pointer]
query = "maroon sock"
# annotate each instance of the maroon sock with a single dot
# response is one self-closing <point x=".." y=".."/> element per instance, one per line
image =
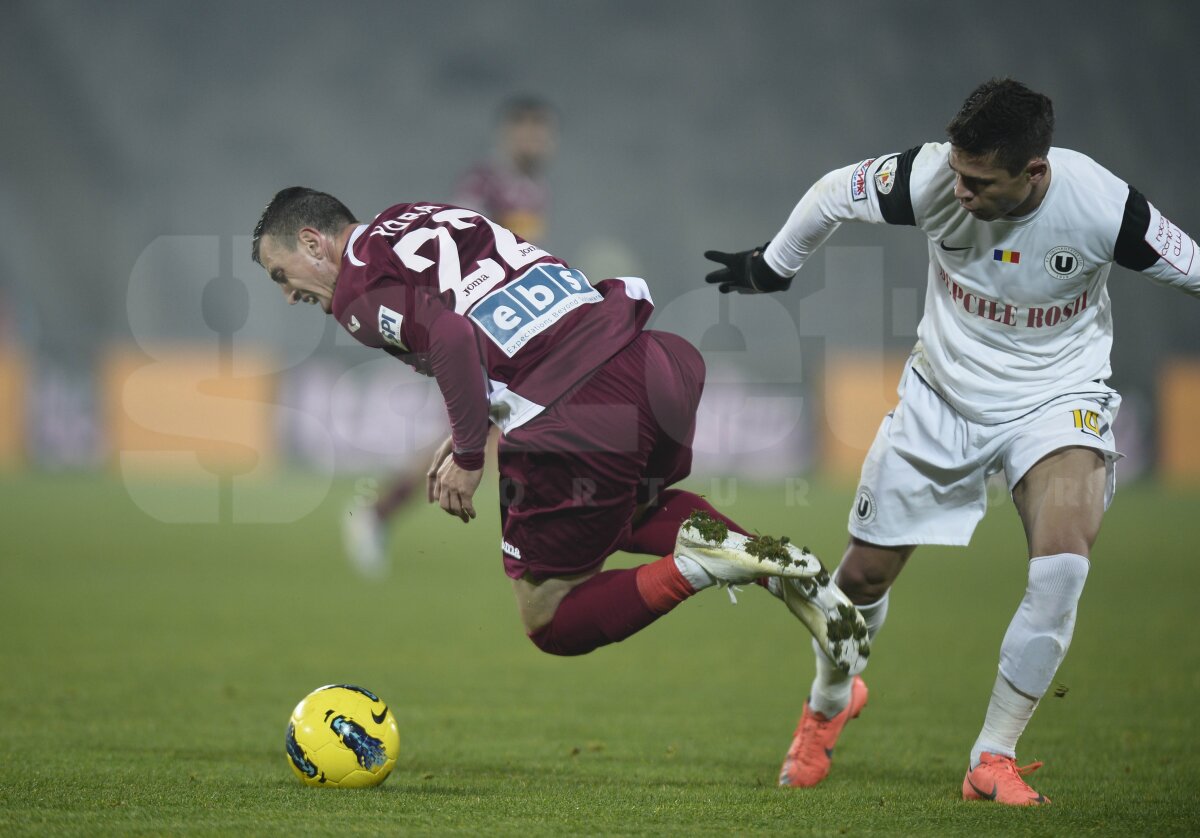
<point x="611" y="606"/>
<point x="655" y="533"/>
<point x="396" y="496"/>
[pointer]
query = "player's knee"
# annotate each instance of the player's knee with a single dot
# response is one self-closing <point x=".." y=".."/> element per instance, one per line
<point x="864" y="584"/>
<point x="549" y="642"/>
<point x="1075" y="542"/>
<point x="543" y="638"/>
<point x="538" y="601"/>
<point x="867" y="571"/>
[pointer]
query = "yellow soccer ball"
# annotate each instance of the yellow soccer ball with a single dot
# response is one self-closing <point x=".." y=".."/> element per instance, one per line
<point x="342" y="736"/>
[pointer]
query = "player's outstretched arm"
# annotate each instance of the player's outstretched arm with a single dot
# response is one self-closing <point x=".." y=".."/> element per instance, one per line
<point x="745" y="272"/>
<point x="772" y="266"/>
<point x="878" y="190"/>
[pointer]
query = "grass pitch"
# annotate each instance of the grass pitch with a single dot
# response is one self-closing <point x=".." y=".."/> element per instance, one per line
<point x="148" y="671"/>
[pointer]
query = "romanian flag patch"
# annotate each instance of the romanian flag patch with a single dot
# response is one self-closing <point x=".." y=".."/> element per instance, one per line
<point x="1013" y="256"/>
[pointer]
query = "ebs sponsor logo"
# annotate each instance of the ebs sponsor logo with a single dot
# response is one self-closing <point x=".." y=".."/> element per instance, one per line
<point x="513" y="315"/>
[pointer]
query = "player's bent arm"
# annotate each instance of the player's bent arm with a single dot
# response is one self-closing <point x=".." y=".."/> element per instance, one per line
<point x="454" y="357"/>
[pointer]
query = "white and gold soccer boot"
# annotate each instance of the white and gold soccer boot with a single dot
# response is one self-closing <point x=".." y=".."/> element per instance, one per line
<point x="792" y="574"/>
<point x="730" y="558"/>
<point x="831" y="617"/>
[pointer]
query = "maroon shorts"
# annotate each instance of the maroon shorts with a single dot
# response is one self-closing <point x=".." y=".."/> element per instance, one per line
<point x="571" y="479"/>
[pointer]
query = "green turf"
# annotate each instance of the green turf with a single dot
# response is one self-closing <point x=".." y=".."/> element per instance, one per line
<point x="147" y="671"/>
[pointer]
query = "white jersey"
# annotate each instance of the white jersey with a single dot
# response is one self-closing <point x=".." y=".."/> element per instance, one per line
<point x="1017" y="310"/>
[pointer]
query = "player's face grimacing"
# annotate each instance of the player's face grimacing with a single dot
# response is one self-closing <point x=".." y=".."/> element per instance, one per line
<point x="988" y="191"/>
<point x="304" y="273"/>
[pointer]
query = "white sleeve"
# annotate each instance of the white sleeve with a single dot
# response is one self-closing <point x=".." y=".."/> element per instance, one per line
<point x="1149" y="242"/>
<point x="1178" y="263"/>
<point x="875" y="191"/>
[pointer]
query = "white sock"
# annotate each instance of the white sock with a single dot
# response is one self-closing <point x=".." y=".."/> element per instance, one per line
<point x="1040" y="632"/>
<point x="1034" y="645"/>
<point x="1007" y="714"/>
<point x="830" y="691"/>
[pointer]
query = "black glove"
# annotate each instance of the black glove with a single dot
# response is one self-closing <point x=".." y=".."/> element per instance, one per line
<point x="745" y="272"/>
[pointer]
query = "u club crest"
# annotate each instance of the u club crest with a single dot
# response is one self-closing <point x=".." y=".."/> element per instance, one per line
<point x="1064" y="262"/>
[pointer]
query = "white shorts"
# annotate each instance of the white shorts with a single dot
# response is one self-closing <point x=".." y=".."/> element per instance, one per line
<point x="925" y="478"/>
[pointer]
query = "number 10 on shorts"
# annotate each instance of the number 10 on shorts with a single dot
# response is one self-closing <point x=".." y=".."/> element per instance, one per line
<point x="1088" y="421"/>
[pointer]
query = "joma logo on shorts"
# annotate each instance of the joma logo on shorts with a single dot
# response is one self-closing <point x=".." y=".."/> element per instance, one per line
<point x="509" y="550"/>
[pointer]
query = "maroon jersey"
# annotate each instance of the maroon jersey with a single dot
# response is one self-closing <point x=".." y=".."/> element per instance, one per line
<point x="504" y="326"/>
<point x="512" y="198"/>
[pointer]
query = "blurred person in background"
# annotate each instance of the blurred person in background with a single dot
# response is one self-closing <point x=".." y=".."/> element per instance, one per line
<point x="509" y="187"/>
<point x="1007" y="376"/>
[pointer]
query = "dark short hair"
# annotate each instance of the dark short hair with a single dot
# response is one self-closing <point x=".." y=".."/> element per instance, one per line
<point x="297" y="207"/>
<point x="1003" y="117"/>
<point x="519" y="108"/>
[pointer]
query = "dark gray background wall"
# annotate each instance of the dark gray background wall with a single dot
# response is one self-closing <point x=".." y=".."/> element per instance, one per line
<point x="685" y="125"/>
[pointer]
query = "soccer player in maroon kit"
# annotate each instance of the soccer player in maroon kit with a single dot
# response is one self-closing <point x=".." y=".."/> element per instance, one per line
<point x="596" y="415"/>
<point x="510" y="188"/>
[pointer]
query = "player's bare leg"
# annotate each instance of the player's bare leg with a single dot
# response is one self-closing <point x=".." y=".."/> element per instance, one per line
<point x="538" y="599"/>
<point x="1061" y="504"/>
<point x="865" y="575"/>
<point x="365" y="525"/>
<point x="364" y="539"/>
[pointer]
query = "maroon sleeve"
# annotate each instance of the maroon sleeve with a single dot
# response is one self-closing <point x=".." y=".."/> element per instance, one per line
<point x="454" y="357"/>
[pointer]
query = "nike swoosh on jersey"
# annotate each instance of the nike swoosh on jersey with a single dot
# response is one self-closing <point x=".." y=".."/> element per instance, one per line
<point x="950" y="249"/>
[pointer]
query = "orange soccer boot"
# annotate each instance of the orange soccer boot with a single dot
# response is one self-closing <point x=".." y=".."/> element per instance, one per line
<point x="998" y="778"/>
<point x="808" y="760"/>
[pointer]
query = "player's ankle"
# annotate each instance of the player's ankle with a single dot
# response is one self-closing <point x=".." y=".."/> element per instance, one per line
<point x="663" y="584"/>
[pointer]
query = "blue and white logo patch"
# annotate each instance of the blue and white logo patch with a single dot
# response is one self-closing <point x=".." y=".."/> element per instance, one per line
<point x="513" y="315"/>
<point x="389" y="327"/>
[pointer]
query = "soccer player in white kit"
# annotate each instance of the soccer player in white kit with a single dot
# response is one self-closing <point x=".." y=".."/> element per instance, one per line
<point x="1007" y="376"/>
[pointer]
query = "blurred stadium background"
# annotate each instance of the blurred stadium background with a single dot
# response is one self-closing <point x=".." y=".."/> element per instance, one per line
<point x="142" y="139"/>
<point x="155" y="395"/>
